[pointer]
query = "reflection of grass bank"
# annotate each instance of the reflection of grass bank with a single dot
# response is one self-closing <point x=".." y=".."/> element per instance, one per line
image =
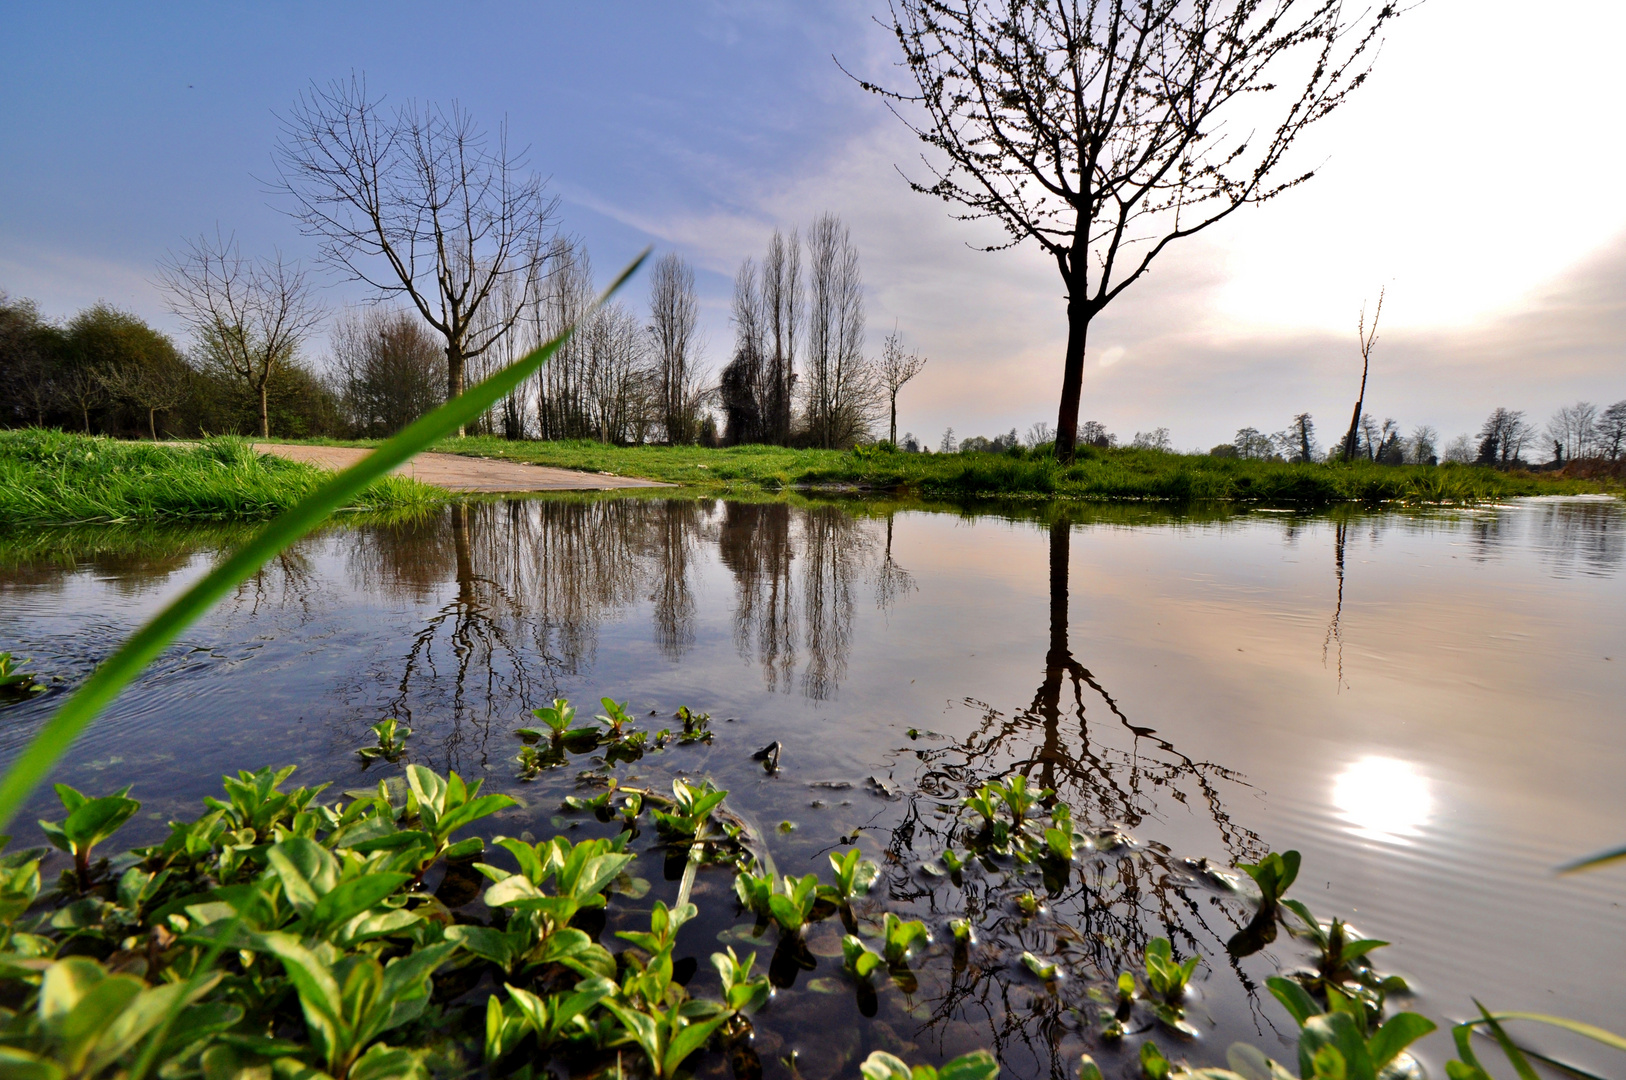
<point x="48" y="477"/>
<point x="1102" y="475"/>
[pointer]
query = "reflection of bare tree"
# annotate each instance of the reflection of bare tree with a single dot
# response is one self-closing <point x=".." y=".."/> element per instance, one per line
<point x="754" y="543"/>
<point x="891" y="580"/>
<point x="1335" y="630"/>
<point x="834" y="546"/>
<point x="1101" y="910"/>
<point x="675" y="538"/>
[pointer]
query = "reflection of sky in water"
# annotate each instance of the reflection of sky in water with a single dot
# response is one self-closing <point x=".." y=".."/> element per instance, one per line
<point x="1384" y="799"/>
<point x="1426" y="705"/>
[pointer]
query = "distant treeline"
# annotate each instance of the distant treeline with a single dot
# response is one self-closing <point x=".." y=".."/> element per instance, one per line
<point x="1576" y="433"/>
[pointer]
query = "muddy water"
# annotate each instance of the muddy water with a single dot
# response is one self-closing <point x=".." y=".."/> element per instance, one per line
<point x="1428" y="706"/>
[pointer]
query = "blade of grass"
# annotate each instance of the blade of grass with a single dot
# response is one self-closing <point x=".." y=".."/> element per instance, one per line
<point x="117" y="671"/>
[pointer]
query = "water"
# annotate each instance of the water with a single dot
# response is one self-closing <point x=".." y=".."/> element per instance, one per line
<point x="1427" y="705"/>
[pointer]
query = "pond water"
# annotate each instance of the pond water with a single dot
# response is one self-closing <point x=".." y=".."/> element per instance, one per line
<point x="1428" y="706"/>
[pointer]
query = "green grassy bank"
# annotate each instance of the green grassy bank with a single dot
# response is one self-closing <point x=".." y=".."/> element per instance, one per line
<point x="50" y="477"/>
<point x="1116" y="474"/>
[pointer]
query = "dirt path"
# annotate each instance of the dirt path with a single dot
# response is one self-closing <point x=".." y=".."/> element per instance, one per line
<point x="455" y="472"/>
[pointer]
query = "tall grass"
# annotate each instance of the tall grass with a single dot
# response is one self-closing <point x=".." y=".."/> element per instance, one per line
<point x="51" y="477"/>
<point x="332" y="494"/>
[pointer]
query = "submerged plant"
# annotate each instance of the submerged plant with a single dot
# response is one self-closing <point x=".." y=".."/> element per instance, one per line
<point x="692" y="808"/>
<point x="1341" y="961"/>
<point x="900" y="936"/>
<point x="792" y="907"/>
<point x="615" y="718"/>
<point x="696" y="726"/>
<point x="392" y="737"/>
<point x="15" y="683"/>
<point x="858" y="959"/>
<point x="1273" y="874"/>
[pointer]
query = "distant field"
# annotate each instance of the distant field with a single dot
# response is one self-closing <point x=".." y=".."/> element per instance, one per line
<point x="1117" y="474"/>
<point x="49" y="477"/>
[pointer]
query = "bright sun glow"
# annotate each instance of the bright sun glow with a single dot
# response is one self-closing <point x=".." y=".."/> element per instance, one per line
<point x="1383" y="798"/>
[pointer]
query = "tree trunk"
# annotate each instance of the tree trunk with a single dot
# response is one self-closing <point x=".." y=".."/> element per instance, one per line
<point x="265" y="415"/>
<point x="152" y="423"/>
<point x="893" y="430"/>
<point x="86" y="409"/>
<point x="454" y="378"/>
<point x="1072" y="378"/>
<point x="1354" y="428"/>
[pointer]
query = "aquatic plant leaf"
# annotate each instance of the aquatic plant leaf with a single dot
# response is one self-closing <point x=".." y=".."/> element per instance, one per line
<point x="59" y="733"/>
<point x="1297" y="1000"/>
<point x="1397" y="1033"/>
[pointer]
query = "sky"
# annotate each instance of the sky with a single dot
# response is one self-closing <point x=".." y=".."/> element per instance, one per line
<point x="1475" y="179"/>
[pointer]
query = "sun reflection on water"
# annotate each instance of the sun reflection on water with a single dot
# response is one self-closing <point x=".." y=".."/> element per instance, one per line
<point x="1384" y="798"/>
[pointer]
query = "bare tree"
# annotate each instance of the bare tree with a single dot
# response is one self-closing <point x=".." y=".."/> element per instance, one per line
<point x="619" y="396"/>
<point x="152" y="388"/>
<point x="842" y="389"/>
<point x="1367" y="338"/>
<point x="783" y="313"/>
<point x="1422" y="447"/>
<point x="1573" y="430"/>
<point x="1104" y="130"/>
<point x="740" y="385"/>
<point x="390" y="370"/>
<point x="83" y="387"/>
<point x="419" y="202"/>
<point x="897" y="368"/>
<point x="248" y="317"/>
<point x="1610" y="431"/>
<point x="1502" y="438"/>
<point x="1038" y="434"/>
<point x="557" y="302"/>
<point x="673" y="314"/>
<point x="1302" y="436"/>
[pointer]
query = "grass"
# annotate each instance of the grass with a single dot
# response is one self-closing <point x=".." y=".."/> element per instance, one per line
<point x="1097" y="475"/>
<point x="51" y="477"/>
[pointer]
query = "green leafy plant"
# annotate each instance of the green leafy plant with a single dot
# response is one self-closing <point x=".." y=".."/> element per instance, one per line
<point x="1167" y="979"/>
<point x="1060" y="840"/>
<point x="743" y="992"/>
<point x="986" y="802"/>
<point x="531" y="762"/>
<point x="667" y="1036"/>
<point x="692" y="807"/>
<point x="15" y="683"/>
<point x="1046" y="970"/>
<point x="1019" y="799"/>
<point x="899" y="936"/>
<point x="1274" y="874"/>
<point x="615" y="718"/>
<point x="257" y="806"/>
<point x="792" y="906"/>
<point x="351" y="1004"/>
<point x="548" y="1018"/>
<point x="696" y="726"/>
<point x="392" y="737"/>
<point x="1340" y="1044"/>
<point x="1342" y="962"/>
<point x="854" y="876"/>
<point x="977" y="1065"/>
<point x="857" y="959"/>
<point x="556" y="720"/>
<point x="89" y="822"/>
<point x="754" y="891"/>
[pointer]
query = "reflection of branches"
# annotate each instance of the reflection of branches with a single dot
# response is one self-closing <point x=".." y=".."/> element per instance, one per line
<point x="1335" y="631"/>
<point x="891" y="580"/>
<point x="1103" y="908"/>
<point x="834" y="542"/>
<point x="754" y="544"/>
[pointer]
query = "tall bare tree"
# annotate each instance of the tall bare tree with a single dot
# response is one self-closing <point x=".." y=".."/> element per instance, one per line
<point x="248" y="317"/>
<point x="559" y="301"/>
<point x="1367" y="338"/>
<point x="740" y="385"/>
<point x="842" y="389"/>
<point x="150" y="388"/>
<point x="673" y="314"/>
<point x="1105" y="130"/>
<point x="783" y="307"/>
<point x="416" y="201"/>
<point x="897" y="368"/>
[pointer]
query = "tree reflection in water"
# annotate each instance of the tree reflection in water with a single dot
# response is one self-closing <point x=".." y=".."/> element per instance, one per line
<point x="1098" y="918"/>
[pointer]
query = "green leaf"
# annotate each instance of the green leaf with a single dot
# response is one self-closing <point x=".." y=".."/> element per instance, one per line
<point x="1596" y="1034"/>
<point x="1397" y="1033"/>
<point x="688" y="1041"/>
<point x="881" y="1065"/>
<point x="59" y="733"/>
<point x="977" y="1065"/>
<point x="318" y="991"/>
<point x="352" y="898"/>
<point x="21" y="1065"/>
<point x="1297" y="1000"/>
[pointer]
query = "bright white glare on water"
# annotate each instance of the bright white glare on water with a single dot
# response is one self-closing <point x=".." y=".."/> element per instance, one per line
<point x="1383" y="798"/>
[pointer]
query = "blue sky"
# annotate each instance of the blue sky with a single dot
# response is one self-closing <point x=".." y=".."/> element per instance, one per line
<point x="701" y="127"/>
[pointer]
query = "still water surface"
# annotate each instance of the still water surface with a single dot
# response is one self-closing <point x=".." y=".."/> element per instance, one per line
<point x="1428" y="706"/>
